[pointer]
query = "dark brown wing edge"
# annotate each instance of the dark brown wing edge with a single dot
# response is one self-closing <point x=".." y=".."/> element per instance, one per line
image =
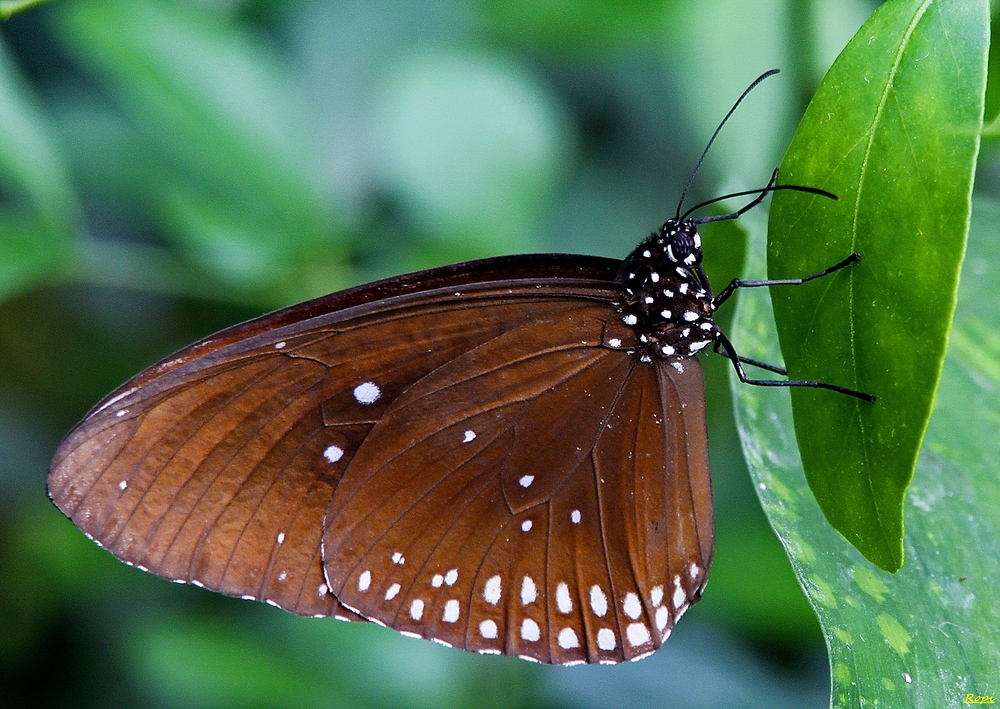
<point x="522" y="267"/>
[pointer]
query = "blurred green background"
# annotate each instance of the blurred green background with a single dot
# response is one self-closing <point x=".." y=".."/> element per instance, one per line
<point x="171" y="168"/>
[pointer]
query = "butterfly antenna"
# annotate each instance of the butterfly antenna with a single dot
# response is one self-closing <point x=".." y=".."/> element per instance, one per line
<point x="697" y="167"/>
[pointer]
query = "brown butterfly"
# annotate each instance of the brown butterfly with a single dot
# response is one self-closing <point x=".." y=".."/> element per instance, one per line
<point x="505" y="456"/>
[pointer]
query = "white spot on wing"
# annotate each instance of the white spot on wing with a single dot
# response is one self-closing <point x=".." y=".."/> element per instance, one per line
<point x="662" y="616"/>
<point x="678" y="366"/>
<point x="598" y="601"/>
<point x="638" y="634"/>
<point x="469" y="436"/>
<point x="683" y="287"/>
<point x="526" y="480"/>
<point x="333" y="453"/>
<point x="451" y="611"/>
<point x="281" y="537"/>
<point x="690" y="315"/>
<point x="321" y="590"/>
<point x="280" y="345"/>
<point x="364" y="580"/>
<point x="575" y="516"/>
<point x="698" y="346"/>
<point x="123" y="484"/>
<point x="451" y="577"/>
<point x="367" y="393"/>
<point x="488" y="629"/>
<point x="606" y="639"/>
<point x="392" y="591"/>
<point x="563" y="600"/>
<point x="568" y="639"/>
<point x="528" y="591"/>
<point x="656" y="595"/>
<point x="398" y="558"/>
<point x="491" y="592"/>
<point x="615" y="342"/>
<point x="630" y="319"/>
<point x="530" y="630"/>
<point x="631" y="606"/>
<point x="417" y="609"/>
<point x="437" y="580"/>
<point x="694" y="571"/>
<point x="526" y="525"/>
<point x="679" y="595"/>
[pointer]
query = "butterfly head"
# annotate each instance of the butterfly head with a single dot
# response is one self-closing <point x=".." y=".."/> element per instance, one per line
<point x="680" y="242"/>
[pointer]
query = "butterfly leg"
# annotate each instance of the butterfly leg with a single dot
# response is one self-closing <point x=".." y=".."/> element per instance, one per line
<point x="737" y="283"/>
<point x="737" y="361"/>
<point x="720" y="349"/>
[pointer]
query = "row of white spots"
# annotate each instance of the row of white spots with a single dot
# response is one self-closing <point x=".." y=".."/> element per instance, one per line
<point x="449" y="578"/>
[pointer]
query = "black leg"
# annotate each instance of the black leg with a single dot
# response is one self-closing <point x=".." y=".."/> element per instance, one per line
<point x="737" y="283"/>
<point x="746" y="360"/>
<point x="738" y="365"/>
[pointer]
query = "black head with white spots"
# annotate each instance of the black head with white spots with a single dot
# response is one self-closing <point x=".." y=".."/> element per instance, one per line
<point x="681" y="242"/>
<point x="668" y="300"/>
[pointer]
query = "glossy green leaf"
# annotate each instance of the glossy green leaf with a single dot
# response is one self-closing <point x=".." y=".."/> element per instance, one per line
<point x="927" y="635"/>
<point x="894" y="132"/>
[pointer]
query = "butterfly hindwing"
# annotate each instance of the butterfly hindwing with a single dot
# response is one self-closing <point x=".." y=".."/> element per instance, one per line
<point x="498" y="505"/>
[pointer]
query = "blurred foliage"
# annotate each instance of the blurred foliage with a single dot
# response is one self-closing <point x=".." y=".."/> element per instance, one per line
<point x="170" y="168"/>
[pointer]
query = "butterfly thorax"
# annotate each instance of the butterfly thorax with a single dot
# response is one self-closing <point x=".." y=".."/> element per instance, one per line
<point x="668" y="298"/>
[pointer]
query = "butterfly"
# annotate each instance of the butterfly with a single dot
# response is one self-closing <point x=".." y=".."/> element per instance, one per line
<point x="507" y="456"/>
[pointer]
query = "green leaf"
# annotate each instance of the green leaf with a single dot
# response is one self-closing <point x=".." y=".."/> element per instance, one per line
<point x="894" y="132"/>
<point x="925" y="636"/>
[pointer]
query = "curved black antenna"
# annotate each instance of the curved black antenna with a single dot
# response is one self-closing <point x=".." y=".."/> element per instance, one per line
<point x="697" y="167"/>
<point x="760" y="196"/>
